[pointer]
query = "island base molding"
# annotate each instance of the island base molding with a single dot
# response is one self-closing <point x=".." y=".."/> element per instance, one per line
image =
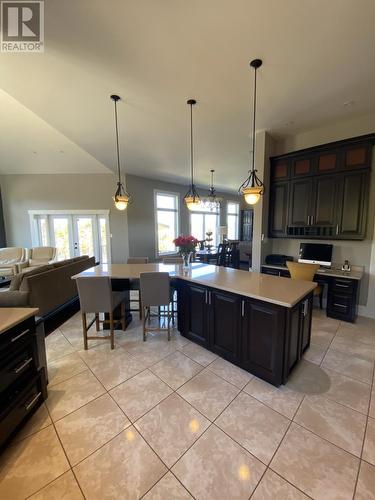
<point x="266" y="339"/>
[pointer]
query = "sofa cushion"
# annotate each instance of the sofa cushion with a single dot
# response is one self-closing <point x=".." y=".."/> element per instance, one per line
<point x="11" y="255"/>
<point x="42" y="253"/>
<point x="24" y="286"/>
<point x="16" y="282"/>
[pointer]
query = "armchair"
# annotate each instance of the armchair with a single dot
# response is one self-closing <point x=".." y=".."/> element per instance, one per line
<point x="10" y="258"/>
<point x="38" y="256"/>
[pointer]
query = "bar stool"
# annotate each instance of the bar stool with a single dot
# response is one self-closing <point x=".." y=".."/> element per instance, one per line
<point x="134" y="284"/>
<point x="155" y="292"/>
<point x="96" y="296"/>
<point x="301" y="271"/>
<point x="173" y="260"/>
<point x="179" y="261"/>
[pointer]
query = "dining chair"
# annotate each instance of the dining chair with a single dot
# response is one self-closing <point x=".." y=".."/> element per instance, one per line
<point x="155" y="292"/>
<point x="306" y="272"/>
<point x="96" y="296"/>
<point x="172" y="260"/>
<point x="178" y="261"/>
<point x="222" y="254"/>
<point x="134" y="285"/>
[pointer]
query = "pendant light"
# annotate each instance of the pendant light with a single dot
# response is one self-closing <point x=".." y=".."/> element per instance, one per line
<point x="121" y="198"/>
<point x="192" y="198"/>
<point x="252" y="188"/>
<point x="212" y="203"/>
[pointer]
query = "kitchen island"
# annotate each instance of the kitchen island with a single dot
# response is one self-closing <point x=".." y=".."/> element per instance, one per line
<point x="258" y="322"/>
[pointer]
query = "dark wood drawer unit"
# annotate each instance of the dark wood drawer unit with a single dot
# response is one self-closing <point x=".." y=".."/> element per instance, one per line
<point x="276" y="272"/>
<point x="22" y="376"/>
<point x="255" y="335"/>
<point x="326" y="193"/>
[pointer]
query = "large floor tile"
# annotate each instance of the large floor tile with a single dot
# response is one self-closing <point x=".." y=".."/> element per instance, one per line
<point x="273" y="487"/>
<point x="253" y="425"/>
<point x="369" y="446"/>
<point x="63" y="488"/>
<point x="176" y="369"/>
<point x="282" y="399"/>
<point x="336" y="423"/>
<point x="315" y="354"/>
<point x="321" y="337"/>
<point x="199" y="354"/>
<point x="230" y="372"/>
<point x="324" y="323"/>
<point x="366" y="483"/>
<point x="308" y="378"/>
<point x="372" y="403"/>
<point x="216" y="467"/>
<point x="171" y="428"/>
<point x="363" y="335"/>
<point x="111" y="368"/>
<point x="63" y="368"/>
<point x="315" y="466"/>
<point x="351" y="366"/>
<point x="57" y="346"/>
<point x="351" y="346"/>
<point x="30" y="464"/>
<point x="168" y="488"/>
<point x="125" y="468"/>
<point x="349" y="392"/>
<point x="139" y="394"/>
<point x="208" y="393"/>
<point x="70" y="395"/>
<point x="38" y="421"/>
<point x="87" y="429"/>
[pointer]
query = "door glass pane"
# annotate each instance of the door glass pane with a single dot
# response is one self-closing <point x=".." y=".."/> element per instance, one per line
<point x="166" y="231"/>
<point x="103" y="240"/>
<point x="232" y="227"/>
<point x="43" y="232"/>
<point x="61" y="237"/>
<point x="211" y="225"/>
<point x="85" y="236"/>
<point x="197" y="229"/>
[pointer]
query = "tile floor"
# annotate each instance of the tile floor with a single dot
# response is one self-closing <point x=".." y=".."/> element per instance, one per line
<point x="171" y="421"/>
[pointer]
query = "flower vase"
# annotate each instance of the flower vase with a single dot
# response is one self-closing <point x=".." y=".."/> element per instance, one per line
<point x="186" y="260"/>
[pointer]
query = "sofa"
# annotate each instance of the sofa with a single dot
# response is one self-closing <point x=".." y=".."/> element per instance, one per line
<point x="47" y="287"/>
<point x="38" y="256"/>
<point x="10" y="258"/>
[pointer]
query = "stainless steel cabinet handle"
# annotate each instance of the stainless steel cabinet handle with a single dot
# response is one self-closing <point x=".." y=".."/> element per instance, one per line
<point x="24" y="364"/>
<point x="308" y="220"/>
<point x="342" y="286"/>
<point x="242" y="308"/>
<point x="33" y="401"/>
<point x="339" y="305"/>
<point x="20" y="335"/>
<point x="205" y="296"/>
<point x="312" y="220"/>
<point x="337" y="229"/>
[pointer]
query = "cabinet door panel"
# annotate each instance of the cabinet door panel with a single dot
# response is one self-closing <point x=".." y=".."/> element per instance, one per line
<point x="299" y="205"/>
<point x="198" y="314"/>
<point x="353" y="205"/>
<point x="263" y="340"/>
<point x="225" y="324"/>
<point x="278" y="217"/>
<point x="325" y="201"/>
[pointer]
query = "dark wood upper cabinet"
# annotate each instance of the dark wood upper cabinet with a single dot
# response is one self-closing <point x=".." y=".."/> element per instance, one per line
<point x="324" y="201"/>
<point x="325" y="193"/>
<point x="299" y="202"/>
<point x="352" y="205"/>
<point x="246" y="228"/>
<point x="225" y="324"/>
<point x="278" y="215"/>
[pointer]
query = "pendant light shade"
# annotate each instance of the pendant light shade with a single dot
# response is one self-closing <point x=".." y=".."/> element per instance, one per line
<point x="192" y="198"/>
<point x="253" y="188"/>
<point x="121" y="198"/>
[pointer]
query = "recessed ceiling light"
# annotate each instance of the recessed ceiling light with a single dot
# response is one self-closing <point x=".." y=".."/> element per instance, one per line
<point x="348" y="103"/>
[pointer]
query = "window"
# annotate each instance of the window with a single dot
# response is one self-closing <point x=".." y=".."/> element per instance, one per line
<point x="73" y="233"/>
<point x="233" y="210"/>
<point x="202" y="221"/>
<point x="166" y="221"/>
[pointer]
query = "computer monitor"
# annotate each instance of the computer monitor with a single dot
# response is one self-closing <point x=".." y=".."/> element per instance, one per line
<point x="315" y="253"/>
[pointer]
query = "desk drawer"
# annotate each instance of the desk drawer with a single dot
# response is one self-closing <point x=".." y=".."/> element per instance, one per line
<point x="16" y="364"/>
<point x="340" y="306"/>
<point x="270" y="271"/>
<point x="18" y="336"/>
<point x="343" y="286"/>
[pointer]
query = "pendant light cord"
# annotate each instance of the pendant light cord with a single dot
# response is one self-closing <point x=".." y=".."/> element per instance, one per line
<point x="191" y="145"/>
<point x="117" y="145"/>
<point x="254" y="115"/>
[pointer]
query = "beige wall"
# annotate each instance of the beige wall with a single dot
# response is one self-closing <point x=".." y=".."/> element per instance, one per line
<point x="141" y="221"/>
<point x="361" y="253"/>
<point x="21" y="193"/>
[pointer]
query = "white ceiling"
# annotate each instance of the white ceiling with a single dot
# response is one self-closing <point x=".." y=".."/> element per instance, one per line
<point x="157" y="53"/>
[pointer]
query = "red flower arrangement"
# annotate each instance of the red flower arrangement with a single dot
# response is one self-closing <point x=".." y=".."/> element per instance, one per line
<point x="186" y="244"/>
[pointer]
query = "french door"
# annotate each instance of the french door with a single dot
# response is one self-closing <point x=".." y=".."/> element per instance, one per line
<point x="73" y="234"/>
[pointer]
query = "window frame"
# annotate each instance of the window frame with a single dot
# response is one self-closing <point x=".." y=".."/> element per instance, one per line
<point x="237" y="214"/>
<point x="177" y="218"/>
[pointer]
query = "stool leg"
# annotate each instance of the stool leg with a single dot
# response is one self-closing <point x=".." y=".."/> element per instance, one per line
<point x="169" y="323"/>
<point x="321" y="299"/>
<point x="145" y="310"/>
<point x="112" y="333"/>
<point x="123" y="325"/>
<point x="140" y="305"/>
<point x="84" y="328"/>
<point x="97" y="324"/>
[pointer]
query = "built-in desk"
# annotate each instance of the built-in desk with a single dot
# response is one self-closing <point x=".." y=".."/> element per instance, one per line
<point x="343" y="288"/>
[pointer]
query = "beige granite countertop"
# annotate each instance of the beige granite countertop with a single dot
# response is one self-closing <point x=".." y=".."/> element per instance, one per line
<point x="281" y="291"/>
<point x="11" y="316"/>
<point x="356" y="272"/>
